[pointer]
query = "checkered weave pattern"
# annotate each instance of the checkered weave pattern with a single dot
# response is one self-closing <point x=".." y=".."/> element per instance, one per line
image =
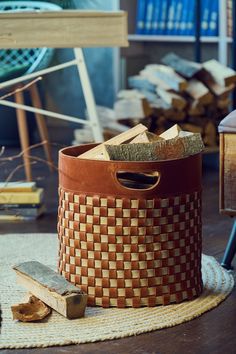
<point x="131" y="252"/>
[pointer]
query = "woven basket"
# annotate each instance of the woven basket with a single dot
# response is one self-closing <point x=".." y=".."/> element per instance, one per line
<point x="126" y="246"/>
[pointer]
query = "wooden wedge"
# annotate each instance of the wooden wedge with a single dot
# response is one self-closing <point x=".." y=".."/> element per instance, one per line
<point x="98" y="151"/>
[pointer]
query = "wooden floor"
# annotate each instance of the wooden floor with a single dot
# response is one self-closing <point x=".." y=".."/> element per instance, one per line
<point x="214" y="332"/>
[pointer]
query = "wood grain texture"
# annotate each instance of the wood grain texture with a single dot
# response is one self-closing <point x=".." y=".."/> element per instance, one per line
<point x="63" y="29"/>
<point x="99" y="151"/>
<point x="52" y="289"/>
<point x="33" y="310"/>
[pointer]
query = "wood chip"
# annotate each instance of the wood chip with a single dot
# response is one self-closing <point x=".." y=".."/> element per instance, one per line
<point x="33" y="310"/>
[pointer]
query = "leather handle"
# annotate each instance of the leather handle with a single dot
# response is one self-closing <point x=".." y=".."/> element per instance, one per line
<point x="147" y="180"/>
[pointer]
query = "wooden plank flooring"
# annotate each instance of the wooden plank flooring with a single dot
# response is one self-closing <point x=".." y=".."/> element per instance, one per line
<point x="213" y="332"/>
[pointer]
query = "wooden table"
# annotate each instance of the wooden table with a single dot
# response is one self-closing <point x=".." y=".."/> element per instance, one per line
<point x="60" y="29"/>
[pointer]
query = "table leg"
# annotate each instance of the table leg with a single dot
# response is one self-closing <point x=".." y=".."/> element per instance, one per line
<point x="23" y="134"/>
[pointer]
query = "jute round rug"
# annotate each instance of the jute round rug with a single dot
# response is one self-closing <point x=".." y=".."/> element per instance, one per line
<point x="99" y="324"/>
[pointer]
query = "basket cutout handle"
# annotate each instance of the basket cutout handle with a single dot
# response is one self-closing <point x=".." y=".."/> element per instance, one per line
<point x="141" y="181"/>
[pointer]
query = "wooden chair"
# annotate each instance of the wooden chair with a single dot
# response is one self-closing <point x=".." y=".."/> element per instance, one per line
<point x="16" y="63"/>
<point x="227" y="130"/>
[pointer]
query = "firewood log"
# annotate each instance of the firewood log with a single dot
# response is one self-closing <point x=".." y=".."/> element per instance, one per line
<point x="168" y="75"/>
<point x="210" y="134"/>
<point x="198" y="91"/>
<point x="157" y="81"/>
<point x="195" y="108"/>
<point x="178" y="147"/>
<point x="222" y="74"/>
<point x="223" y="103"/>
<point x="98" y="151"/>
<point x="51" y="288"/>
<point x="184" y="67"/>
<point x="220" y="91"/>
<point x="176" y="101"/>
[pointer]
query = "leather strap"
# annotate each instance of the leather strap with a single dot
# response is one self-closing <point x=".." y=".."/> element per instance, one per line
<point x="176" y="177"/>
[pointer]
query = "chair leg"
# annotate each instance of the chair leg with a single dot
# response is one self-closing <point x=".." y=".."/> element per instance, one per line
<point x="230" y="249"/>
<point x="23" y="134"/>
<point x="42" y="127"/>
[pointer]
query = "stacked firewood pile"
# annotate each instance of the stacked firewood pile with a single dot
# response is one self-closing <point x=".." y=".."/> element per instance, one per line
<point x="196" y="96"/>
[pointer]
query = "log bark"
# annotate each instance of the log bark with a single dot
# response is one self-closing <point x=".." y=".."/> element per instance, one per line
<point x="51" y="288"/>
<point x="159" y="150"/>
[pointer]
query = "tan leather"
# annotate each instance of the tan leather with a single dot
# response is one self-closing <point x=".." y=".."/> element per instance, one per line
<point x="177" y="177"/>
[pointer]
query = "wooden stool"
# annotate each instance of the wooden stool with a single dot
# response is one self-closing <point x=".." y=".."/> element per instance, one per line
<point x="23" y="130"/>
<point x="227" y="130"/>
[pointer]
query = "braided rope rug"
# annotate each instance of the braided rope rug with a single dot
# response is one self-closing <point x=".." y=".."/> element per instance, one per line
<point x="99" y="324"/>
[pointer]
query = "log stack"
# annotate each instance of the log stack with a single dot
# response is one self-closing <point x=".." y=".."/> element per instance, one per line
<point x="196" y="96"/>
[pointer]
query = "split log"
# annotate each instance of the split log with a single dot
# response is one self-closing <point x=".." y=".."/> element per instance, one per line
<point x="98" y="151"/>
<point x="222" y="74"/>
<point x="160" y="107"/>
<point x="178" y="147"/>
<point x="223" y="103"/>
<point x="139" y="82"/>
<point x="221" y="92"/>
<point x="159" y="103"/>
<point x="33" y="310"/>
<point x="151" y="97"/>
<point x="171" y="133"/>
<point x="153" y="137"/>
<point x="51" y="288"/>
<point x="157" y="81"/>
<point x="204" y="126"/>
<point x="210" y="134"/>
<point x="168" y="75"/>
<point x="184" y="67"/>
<point x="132" y="108"/>
<point x="176" y="101"/>
<point x="198" y="91"/>
<point x="195" y="108"/>
<point x="141" y="138"/>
